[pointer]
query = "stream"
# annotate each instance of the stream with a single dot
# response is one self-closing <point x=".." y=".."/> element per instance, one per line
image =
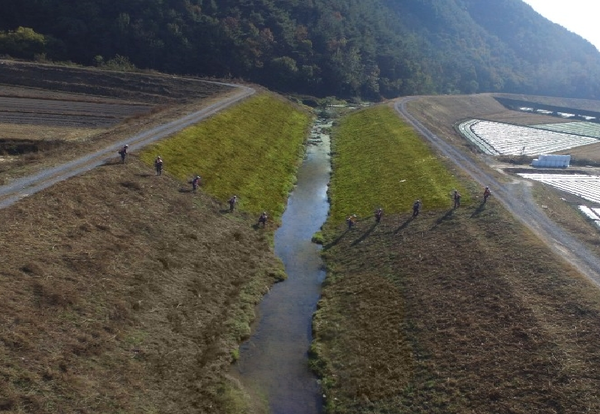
<point x="273" y="363"/>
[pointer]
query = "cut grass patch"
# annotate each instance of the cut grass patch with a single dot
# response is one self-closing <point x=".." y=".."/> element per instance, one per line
<point x="379" y="161"/>
<point x="252" y="150"/>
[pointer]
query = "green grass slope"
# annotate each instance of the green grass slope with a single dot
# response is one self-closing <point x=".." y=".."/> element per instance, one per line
<point x="379" y="161"/>
<point x="252" y="150"/>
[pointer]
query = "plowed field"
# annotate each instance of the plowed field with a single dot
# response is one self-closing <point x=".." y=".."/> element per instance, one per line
<point x="65" y="113"/>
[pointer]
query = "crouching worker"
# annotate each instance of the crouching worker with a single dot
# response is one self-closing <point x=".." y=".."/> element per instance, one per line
<point x="486" y="193"/>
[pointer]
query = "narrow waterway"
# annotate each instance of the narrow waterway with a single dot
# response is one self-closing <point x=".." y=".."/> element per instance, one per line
<point x="274" y="361"/>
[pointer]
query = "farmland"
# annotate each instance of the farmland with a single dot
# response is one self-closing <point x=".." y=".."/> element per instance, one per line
<point x="50" y="114"/>
<point x="495" y="138"/>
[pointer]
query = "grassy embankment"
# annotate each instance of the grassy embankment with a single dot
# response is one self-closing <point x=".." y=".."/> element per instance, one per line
<point x="380" y="162"/>
<point x="124" y="294"/>
<point x="455" y="311"/>
<point x="256" y="160"/>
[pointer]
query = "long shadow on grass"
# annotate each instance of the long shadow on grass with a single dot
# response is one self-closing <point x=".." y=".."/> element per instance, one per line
<point x="445" y="217"/>
<point x="365" y="235"/>
<point x="404" y="225"/>
<point x="335" y="242"/>
<point x="478" y="210"/>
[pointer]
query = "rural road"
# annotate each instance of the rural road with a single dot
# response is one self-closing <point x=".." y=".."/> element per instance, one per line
<point x="22" y="187"/>
<point x="517" y="198"/>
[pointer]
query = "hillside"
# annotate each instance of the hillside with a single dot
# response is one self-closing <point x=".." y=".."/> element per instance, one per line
<point x="370" y="48"/>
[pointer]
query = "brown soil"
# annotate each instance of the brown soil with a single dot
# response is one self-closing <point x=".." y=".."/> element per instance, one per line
<point x="442" y="114"/>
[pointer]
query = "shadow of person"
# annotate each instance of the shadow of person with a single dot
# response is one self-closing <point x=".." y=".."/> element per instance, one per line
<point x="478" y="210"/>
<point x="336" y="241"/>
<point x="445" y="217"/>
<point x="185" y="190"/>
<point x="365" y="235"/>
<point x="404" y="225"/>
<point x="110" y="163"/>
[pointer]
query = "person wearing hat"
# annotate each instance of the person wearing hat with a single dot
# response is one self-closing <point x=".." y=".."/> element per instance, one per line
<point x="378" y="214"/>
<point x="456" y="198"/>
<point x="123" y="153"/>
<point x="158" y="164"/>
<point x="195" y="183"/>
<point x="351" y="221"/>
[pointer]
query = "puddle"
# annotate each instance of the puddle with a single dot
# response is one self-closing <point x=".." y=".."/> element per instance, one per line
<point x="274" y="361"/>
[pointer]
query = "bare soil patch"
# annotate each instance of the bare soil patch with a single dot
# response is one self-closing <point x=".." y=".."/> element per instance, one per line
<point x="65" y="113"/>
<point x="130" y="86"/>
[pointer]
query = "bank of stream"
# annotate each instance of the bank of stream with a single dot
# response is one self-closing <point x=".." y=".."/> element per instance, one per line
<point x="273" y="363"/>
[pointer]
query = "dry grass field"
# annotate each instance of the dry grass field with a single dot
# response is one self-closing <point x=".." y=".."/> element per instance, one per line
<point x="457" y="311"/>
<point x="123" y="294"/>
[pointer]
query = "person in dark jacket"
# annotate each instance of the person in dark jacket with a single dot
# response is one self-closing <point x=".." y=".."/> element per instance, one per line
<point x="123" y="153"/>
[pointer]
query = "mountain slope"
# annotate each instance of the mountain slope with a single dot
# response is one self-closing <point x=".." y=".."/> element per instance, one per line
<point x="367" y="48"/>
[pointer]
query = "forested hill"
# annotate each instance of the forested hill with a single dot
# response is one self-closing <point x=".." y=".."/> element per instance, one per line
<point x="367" y="48"/>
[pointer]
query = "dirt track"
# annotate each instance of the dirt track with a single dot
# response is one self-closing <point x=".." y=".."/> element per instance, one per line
<point x="516" y="198"/>
<point x="25" y="186"/>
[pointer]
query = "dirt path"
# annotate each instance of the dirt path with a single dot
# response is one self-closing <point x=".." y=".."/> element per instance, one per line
<point x="22" y="187"/>
<point x="516" y="197"/>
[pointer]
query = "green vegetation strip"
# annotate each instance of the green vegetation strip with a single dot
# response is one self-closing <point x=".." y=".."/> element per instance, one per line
<point x="252" y="150"/>
<point x="379" y="161"/>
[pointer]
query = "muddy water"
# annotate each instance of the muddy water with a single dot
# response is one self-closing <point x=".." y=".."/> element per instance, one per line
<point x="273" y="362"/>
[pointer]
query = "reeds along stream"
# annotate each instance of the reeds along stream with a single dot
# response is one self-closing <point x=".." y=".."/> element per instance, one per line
<point x="274" y="361"/>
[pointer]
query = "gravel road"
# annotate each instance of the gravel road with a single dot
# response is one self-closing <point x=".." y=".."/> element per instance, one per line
<point x="14" y="191"/>
<point x="516" y="197"/>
